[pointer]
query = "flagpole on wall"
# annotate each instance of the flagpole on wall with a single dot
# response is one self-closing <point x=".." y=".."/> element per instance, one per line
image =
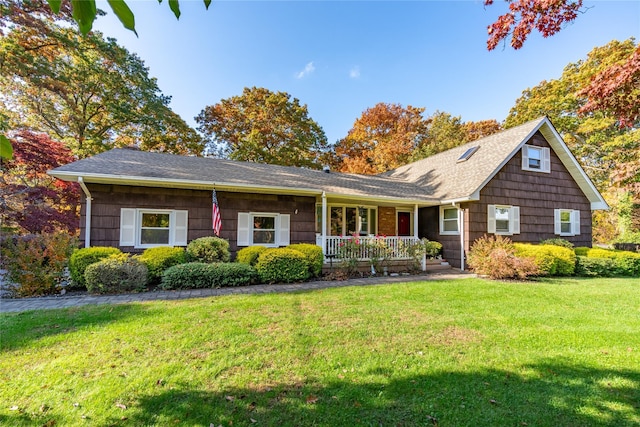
<point x="216" y="219"/>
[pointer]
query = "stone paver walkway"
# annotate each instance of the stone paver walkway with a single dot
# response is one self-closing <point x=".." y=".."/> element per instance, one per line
<point x="63" y="301"/>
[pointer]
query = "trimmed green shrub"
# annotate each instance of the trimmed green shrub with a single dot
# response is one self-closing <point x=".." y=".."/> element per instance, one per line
<point x="204" y="275"/>
<point x="543" y="258"/>
<point x="250" y="254"/>
<point x="495" y="256"/>
<point x="313" y="254"/>
<point x="581" y="250"/>
<point x="557" y="242"/>
<point x="118" y="273"/>
<point x="625" y="263"/>
<point x="282" y="265"/>
<point x="595" y="267"/>
<point x="82" y="258"/>
<point x="209" y="249"/>
<point x="37" y="262"/>
<point x="160" y="258"/>
<point x="550" y="259"/>
<point x="564" y="259"/>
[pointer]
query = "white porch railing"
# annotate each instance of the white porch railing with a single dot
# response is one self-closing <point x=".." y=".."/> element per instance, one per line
<point x="367" y="247"/>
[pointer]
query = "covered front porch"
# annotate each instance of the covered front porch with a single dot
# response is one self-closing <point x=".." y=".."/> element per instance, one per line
<point x="368" y="231"/>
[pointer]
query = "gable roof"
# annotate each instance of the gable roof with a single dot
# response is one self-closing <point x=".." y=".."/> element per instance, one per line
<point x="451" y="181"/>
<point x="439" y="179"/>
<point x="133" y="167"/>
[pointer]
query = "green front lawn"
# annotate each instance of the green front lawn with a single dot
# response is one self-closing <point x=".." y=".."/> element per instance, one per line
<point x="561" y="352"/>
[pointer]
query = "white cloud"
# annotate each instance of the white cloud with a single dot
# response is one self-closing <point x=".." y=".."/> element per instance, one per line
<point x="308" y="69"/>
<point x="354" y="73"/>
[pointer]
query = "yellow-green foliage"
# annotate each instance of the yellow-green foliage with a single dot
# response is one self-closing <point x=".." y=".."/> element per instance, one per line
<point x="250" y="254"/>
<point x="581" y="250"/>
<point x="543" y="259"/>
<point x="160" y="258"/>
<point x="282" y="265"/>
<point x="550" y="259"/>
<point x="314" y="256"/>
<point x="626" y="263"/>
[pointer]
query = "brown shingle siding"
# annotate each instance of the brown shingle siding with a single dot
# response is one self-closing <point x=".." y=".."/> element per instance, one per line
<point x="109" y="199"/>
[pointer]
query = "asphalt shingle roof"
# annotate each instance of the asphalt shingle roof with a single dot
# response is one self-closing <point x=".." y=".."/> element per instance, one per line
<point x="445" y="178"/>
<point x="429" y="181"/>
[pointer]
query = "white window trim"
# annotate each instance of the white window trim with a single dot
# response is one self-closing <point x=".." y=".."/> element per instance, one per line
<point x="442" y="230"/>
<point x="545" y="159"/>
<point x="344" y="217"/>
<point x="514" y="220"/>
<point x="245" y="229"/>
<point x="575" y="222"/>
<point x="131" y="227"/>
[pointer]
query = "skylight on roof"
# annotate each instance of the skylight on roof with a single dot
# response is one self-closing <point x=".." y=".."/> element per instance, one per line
<point x="465" y="156"/>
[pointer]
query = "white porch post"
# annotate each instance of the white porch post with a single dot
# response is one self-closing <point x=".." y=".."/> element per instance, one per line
<point x="324" y="223"/>
<point x="415" y="221"/>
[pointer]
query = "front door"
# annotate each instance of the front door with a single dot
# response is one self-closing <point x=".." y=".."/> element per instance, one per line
<point x="404" y="224"/>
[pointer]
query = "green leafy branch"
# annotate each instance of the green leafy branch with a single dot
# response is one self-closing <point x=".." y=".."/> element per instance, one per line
<point x="84" y="12"/>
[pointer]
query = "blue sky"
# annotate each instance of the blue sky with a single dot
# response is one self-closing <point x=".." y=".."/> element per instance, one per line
<point x="341" y="57"/>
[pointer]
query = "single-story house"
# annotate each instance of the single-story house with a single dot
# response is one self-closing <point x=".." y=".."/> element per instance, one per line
<point x="522" y="182"/>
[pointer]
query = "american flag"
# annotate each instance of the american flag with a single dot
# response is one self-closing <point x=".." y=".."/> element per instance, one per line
<point x="215" y="214"/>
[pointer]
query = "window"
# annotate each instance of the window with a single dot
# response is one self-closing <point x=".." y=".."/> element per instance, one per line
<point x="503" y="219"/>
<point x="536" y="159"/>
<point x="467" y="154"/>
<point x="347" y="220"/>
<point x="145" y="228"/>
<point x="566" y="222"/>
<point x="265" y="229"/>
<point x="449" y="220"/>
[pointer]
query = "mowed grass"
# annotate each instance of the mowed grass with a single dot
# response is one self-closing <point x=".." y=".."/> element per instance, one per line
<point x="470" y="352"/>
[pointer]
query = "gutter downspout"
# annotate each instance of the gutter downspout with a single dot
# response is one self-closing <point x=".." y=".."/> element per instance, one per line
<point x="461" y="222"/>
<point x="87" y="214"/>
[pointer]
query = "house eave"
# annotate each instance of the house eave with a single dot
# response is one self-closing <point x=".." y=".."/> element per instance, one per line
<point x="233" y="187"/>
<point x="180" y="183"/>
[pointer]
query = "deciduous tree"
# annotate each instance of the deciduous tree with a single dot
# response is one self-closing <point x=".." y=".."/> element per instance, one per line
<point x="445" y="131"/>
<point x="264" y="127"/>
<point x="608" y="152"/>
<point x="87" y="92"/>
<point x="381" y="139"/>
<point x="30" y="199"/>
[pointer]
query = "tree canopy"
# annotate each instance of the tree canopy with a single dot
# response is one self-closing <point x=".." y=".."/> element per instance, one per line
<point x="264" y="127"/>
<point x="381" y="139"/>
<point x="85" y="91"/>
<point x="387" y="136"/>
<point x="31" y="200"/>
<point x="608" y="152"/>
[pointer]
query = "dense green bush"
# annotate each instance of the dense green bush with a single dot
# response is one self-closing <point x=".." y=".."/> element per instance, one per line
<point x="543" y="258"/>
<point x="118" y="273"/>
<point x="82" y="258"/>
<point x="208" y="249"/>
<point x="282" y="265"/>
<point x="625" y="263"/>
<point x="250" y="254"/>
<point x="581" y="250"/>
<point x="557" y="242"/>
<point x="552" y="260"/>
<point x="36" y="263"/>
<point x="160" y="258"/>
<point x="206" y="275"/>
<point x="495" y="256"/>
<point x="564" y="259"/>
<point x="595" y="267"/>
<point x="313" y="254"/>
